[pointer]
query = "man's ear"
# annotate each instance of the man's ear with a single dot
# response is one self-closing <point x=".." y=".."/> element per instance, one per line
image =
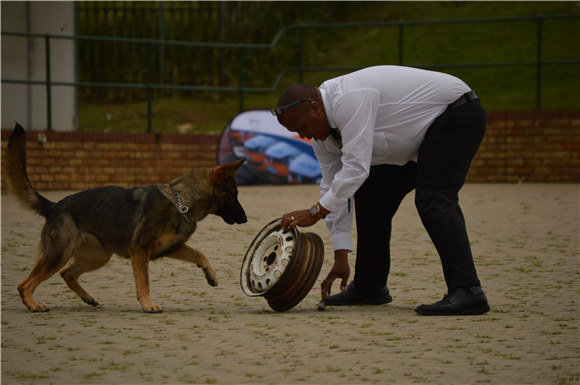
<point x="316" y="108"/>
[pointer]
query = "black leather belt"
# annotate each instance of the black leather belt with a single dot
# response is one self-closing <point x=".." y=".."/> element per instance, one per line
<point x="465" y="98"/>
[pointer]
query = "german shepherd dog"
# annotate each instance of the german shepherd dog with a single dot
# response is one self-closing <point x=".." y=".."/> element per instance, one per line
<point x="141" y="223"/>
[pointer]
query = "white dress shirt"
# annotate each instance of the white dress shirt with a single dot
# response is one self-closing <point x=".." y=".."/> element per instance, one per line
<point x="382" y="114"/>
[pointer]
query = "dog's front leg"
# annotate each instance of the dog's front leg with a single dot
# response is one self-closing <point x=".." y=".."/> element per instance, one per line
<point x="189" y="254"/>
<point x="140" y="264"/>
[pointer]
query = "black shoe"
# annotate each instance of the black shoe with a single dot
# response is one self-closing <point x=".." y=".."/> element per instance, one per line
<point x="470" y="301"/>
<point x="355" y="296"/>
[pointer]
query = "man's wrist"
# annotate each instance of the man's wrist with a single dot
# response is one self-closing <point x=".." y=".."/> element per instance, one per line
<point x="318" y="211"/>
<point x="340" y="255"/>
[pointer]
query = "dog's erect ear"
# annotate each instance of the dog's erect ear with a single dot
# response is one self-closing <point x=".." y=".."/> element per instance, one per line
<point x="18" y="127"/>
<point x="17" y="134"/>
<point x="227" y="170"/>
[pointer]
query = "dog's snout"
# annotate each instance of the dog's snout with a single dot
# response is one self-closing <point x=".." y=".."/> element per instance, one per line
<point x="240" y="216"/>
<point x="232" y="213"/>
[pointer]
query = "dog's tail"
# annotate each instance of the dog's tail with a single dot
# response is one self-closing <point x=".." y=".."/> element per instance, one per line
<point x="17" y="180"/>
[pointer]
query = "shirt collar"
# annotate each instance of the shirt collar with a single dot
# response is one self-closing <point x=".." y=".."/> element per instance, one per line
<point x="327" y="107"/>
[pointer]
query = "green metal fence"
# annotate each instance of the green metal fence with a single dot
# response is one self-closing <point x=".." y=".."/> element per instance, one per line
<point x="301" y="68"/>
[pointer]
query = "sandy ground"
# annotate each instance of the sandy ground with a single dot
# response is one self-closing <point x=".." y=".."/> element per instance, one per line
<point x="525" y="239"/>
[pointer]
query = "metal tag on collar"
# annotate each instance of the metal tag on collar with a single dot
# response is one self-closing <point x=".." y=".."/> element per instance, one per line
<point x="180" y="206"/>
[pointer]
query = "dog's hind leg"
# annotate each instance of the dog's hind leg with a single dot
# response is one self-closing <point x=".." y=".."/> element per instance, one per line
<point x="189" y="254"/>
<point x="140" y="264"/>
<point x="88" y="257"/>
<point x="49" y="263"/>
<point x="57" y="244"/>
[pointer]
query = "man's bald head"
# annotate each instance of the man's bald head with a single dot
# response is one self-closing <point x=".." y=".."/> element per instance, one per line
<point x="294" y="93"/>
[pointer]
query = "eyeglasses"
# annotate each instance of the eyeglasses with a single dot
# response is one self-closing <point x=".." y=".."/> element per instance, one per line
<point x="278" y="110"/>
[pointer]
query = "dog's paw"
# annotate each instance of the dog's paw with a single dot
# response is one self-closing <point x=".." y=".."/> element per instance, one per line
<point x="91" y="301"/>
<point x="211" y="277"/>
<point x="153" y="309"/>
<point x="39" y="308"/>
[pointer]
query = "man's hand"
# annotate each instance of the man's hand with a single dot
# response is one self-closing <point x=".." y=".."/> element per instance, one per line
<point x="341" y="270"/>
<point x="301" y="218"/>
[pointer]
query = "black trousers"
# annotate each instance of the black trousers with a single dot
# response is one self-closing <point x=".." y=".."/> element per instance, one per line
<point x="445" y="155"/>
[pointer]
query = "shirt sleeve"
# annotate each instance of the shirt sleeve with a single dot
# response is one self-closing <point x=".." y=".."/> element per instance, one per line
<point x="339" y="222"/>
<point x="355" y="117"/>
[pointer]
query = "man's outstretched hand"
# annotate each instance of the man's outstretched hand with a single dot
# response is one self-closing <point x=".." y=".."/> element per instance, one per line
<point x="340" y="269"/>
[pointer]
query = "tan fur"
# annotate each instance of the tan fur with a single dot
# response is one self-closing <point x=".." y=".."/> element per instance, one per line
<point x="142" y="224"/>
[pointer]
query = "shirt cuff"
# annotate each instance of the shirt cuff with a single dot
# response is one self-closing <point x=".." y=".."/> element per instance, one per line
<point x="342" y="241"/>
<point x="331" y="202"/>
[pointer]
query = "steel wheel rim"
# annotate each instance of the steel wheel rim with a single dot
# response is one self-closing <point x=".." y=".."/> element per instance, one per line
<point x="281" y="265"/>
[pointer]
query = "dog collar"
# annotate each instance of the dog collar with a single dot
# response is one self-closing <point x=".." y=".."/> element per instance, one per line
<point x="183" y="209"/>
<point x="180" y="206"/>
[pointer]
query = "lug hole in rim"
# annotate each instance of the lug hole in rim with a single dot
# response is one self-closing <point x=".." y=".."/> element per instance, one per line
<point x="270" y="259"/>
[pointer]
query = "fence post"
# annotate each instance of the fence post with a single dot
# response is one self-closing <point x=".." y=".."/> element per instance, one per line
<point x="161" y="16"/>
<point x="241" y="75"/>
<point x="148" y="87"/>
<point x="539" y="66"/>
<point x="48" y="83"/>
<point x="401" y="27"/>
<point x="301" y="55"/>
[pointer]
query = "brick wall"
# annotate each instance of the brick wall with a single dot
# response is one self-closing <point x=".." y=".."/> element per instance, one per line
<point x="519" y="146"/>
<point x="78" y="160"/>
<point x="529" y="146"/>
